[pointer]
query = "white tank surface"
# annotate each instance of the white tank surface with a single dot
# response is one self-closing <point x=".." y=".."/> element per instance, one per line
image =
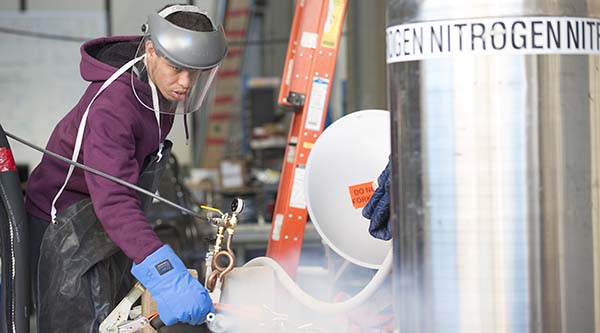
<point x="341" y="175"/>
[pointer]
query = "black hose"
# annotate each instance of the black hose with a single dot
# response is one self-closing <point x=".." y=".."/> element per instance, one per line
<point x="14" y="237"/>
<point x="107" y="176"/>
<point x="160" y="327"/>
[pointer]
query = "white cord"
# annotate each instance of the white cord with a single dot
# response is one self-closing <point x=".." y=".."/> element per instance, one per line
<point x="80" y="131"/>
<point x="318" y="305"/>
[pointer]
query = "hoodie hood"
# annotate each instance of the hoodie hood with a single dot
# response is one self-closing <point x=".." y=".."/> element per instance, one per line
<point x="101" y="57"/>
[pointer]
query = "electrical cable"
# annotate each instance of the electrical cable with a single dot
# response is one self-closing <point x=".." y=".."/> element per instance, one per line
<point x="322" y="306"/>
<point x="107" y="176"/>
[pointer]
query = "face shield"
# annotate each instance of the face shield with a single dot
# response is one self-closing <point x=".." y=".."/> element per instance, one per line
<point x="184" y="63"/>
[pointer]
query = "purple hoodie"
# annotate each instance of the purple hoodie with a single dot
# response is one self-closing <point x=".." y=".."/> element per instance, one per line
<point x="119" y="135"/>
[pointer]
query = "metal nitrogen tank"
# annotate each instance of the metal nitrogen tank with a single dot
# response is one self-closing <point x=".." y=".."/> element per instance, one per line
<point x="495" y="150"/>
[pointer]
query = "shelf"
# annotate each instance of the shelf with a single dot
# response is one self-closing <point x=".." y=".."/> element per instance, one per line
<point x="268" y="143"/>
<point x="256" y="233"/>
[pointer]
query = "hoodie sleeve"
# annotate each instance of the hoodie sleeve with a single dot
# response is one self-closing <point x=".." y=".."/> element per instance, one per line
<point x="110" y="146"/>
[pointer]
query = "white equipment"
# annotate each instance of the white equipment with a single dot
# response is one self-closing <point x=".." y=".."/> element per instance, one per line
<point x="350" y="154"/>
<point x="341" y="170"/>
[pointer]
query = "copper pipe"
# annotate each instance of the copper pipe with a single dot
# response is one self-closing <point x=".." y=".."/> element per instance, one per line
<point x="211" y="281"/>
<point x="223" y="270"/>
<point x="229" y="238"/>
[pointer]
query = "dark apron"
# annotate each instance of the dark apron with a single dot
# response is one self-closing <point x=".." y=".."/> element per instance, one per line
<point x="82" y="274"/>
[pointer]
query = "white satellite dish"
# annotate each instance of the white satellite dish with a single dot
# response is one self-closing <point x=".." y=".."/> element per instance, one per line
<point x="342" y="168"/>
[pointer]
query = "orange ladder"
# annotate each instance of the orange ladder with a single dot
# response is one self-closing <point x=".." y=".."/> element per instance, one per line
<point x="305" y="86"/>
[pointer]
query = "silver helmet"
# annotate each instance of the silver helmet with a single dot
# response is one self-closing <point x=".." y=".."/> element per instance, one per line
<point x="199" y="53"/>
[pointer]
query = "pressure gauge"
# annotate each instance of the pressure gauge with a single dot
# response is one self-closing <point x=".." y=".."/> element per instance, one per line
<point x="237" y="205"/>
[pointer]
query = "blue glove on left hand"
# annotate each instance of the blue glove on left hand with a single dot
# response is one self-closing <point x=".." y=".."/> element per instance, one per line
<point x="378" y="208"/>
<point x="178" y="295"/>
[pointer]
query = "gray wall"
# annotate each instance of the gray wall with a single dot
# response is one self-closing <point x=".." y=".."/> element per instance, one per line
<point x="45" y="103"/>
<point x="53" y="5"/>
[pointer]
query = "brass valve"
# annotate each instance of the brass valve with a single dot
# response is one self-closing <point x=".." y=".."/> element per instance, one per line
<point x="224" y="223"/>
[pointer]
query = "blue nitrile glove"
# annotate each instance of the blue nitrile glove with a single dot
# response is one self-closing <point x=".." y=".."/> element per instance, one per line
<point x="378" y="208"/>
<point x="178" y="295"/>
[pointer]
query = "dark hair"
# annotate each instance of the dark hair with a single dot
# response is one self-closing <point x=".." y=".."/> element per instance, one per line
<point x="189" y="20"/>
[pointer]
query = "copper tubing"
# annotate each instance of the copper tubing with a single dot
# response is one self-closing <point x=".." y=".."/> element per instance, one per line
<point x="229" y="238"/>
<point x="218" y="272"/>
<point x="211" y="281"/>
<point x="223" y="270"/>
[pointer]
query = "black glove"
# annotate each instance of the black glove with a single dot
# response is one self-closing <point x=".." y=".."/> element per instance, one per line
<point x="378" y="208"/>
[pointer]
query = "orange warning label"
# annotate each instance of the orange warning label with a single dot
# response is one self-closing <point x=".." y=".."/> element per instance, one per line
<point x="360" y="194"/>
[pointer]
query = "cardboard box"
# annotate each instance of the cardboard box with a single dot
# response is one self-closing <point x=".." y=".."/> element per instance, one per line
<point x="233" y="174"/>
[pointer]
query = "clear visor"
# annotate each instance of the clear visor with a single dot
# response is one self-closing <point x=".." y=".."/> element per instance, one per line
<point x="179" y="90"/>
<point x="195" y="97"/>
